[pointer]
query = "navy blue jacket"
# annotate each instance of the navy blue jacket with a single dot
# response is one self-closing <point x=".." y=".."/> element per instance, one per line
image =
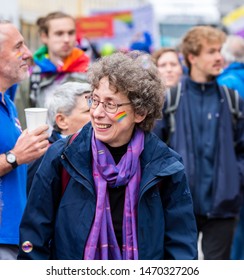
<point x="166" y="223"/>
<point x="228" y="181"/>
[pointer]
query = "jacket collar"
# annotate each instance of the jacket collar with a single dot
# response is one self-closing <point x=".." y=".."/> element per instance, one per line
<point x="157" y="159"/>
<point x="78" y="157"/>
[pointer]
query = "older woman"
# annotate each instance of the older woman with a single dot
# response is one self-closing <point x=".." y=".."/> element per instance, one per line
<point x="68" y="112"/>
<point x="67" y="108"/>
<point x="127" y="197"/>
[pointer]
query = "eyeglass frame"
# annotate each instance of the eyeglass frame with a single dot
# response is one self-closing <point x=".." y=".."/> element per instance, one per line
<point x="104" y="104"/>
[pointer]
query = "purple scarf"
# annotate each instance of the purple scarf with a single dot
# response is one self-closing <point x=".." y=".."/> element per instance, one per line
<point x="102" y="243"/>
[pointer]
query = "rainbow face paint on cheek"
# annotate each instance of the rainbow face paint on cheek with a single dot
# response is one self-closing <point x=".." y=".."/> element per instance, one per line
<point x="19" y="55"/>
<point x="120" y="116"/>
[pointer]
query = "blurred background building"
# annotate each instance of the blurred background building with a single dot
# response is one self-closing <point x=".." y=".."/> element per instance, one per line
<point x="120" y="22"/>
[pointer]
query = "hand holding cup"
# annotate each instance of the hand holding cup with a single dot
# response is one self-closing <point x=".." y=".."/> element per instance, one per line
<point x="35" y="117"/>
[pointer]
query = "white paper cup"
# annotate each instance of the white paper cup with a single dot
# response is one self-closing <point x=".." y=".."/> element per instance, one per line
<point x="35" y="117"/>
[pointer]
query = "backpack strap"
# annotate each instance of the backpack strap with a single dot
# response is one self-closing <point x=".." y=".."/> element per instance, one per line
<point x="173" y="98"/>
<point x="232" y="97"/>
<point x="172" y="101"/>
<point x="64" y="173"/>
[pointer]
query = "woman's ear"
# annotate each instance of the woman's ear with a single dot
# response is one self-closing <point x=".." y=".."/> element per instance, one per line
<point x="61" y="121"/>
<point x="139" y="118"/>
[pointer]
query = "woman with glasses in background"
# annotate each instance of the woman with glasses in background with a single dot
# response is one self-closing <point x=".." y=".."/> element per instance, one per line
<point x="127" y="196"/>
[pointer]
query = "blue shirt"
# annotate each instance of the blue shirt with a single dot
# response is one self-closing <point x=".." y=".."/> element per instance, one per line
<point x="233" y="77"/>
<point x="12" y="91"/>
<point x="12" y="184"/>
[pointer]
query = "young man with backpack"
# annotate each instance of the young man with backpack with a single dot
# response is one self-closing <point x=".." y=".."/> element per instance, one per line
<point x="204" y="124"/>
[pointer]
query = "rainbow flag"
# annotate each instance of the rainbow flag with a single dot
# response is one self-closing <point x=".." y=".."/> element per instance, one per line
<point x="126" y="17"/>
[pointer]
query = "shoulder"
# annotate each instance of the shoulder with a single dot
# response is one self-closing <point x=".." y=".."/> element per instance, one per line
<point x="80" y="143"/>
<point x="85" y="133"/>
<point x="160" y="156"/>
<point x="153" y="142"/>
<point x="227" y="79"/>
<point x="56" y="149"/>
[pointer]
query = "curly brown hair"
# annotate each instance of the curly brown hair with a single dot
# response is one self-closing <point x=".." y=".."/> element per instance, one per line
<point x="135" y="75"/>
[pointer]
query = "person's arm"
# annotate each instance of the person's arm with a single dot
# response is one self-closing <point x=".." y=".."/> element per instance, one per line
<point x="31" y="171"/>
<point x="180" y="225"/>
<point x="29" y="146"/>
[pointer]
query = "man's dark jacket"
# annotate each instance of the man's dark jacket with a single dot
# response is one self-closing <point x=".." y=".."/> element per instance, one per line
<point x="228" y="181"/>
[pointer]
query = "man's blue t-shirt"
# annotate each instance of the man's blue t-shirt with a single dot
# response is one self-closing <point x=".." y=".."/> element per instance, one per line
<point x="12" y="184"/>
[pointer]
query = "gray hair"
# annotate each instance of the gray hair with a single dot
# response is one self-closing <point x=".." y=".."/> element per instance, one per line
<point x="233" y="49"/>
<point x="64" y="100"/>
<point x="135" y="75"/>
<point x="3" y="21"/>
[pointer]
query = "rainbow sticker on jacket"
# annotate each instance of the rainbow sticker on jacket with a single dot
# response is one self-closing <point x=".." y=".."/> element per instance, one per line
<point x="120" y="116"/>
<point x="27" y="246"/>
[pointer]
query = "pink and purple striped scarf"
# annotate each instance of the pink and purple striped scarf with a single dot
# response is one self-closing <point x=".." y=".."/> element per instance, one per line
<point x="102" y="243"/>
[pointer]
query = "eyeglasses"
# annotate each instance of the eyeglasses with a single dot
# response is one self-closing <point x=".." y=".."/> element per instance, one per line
<point x="109" y="106"/>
